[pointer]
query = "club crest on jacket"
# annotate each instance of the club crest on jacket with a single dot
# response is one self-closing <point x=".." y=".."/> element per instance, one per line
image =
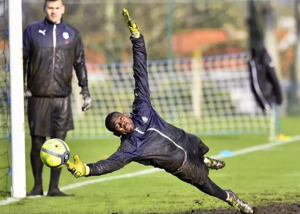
<point x="66" y="35"/>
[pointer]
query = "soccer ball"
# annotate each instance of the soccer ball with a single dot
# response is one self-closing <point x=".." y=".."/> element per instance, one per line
<point x="55" y="153"/>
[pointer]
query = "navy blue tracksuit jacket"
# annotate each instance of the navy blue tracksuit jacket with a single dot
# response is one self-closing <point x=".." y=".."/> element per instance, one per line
<point x="50" y="52"/>
<point x="154" y="141"/>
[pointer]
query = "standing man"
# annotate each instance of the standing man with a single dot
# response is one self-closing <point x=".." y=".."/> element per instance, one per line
<point x="51" y="49"/>
<point x="149" y="140"/>
<point x="264" y="82"/>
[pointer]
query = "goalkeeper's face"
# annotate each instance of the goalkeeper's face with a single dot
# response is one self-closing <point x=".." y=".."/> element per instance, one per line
<point x="54" y="10"/>
<point x="123" y="124"/>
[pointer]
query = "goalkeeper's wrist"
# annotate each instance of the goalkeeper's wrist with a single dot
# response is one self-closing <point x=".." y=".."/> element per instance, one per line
<point x="87" y="170"/>
<point x="85" y="91"/>
<point x="135" y="35"/>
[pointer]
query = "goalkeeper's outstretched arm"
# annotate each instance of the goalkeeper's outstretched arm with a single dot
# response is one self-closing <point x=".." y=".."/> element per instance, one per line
<point x="141" y="91"/>
<point x="126" y="153"/>
<point x="115" y="162"/>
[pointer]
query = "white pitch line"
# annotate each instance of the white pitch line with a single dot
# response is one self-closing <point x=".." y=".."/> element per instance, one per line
<point x="261" y="147"/>
<point x="268" y="145"/>
<point x="9" y="201"/>
<point x="294" y="174"/>
<point x="128" y="175"/>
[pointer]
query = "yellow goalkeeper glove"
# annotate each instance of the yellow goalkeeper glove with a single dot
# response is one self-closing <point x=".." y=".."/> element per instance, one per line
<point x="78" y="168"/>
<point x="132" y="26"/>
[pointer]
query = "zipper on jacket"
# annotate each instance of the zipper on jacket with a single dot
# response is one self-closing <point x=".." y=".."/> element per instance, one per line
<point x="257" y="87"/>
<point x="53" y="60"/>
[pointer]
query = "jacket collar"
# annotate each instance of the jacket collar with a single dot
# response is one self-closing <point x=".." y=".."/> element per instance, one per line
<point x="50" y="24"/>
<point x="133" y="118"/>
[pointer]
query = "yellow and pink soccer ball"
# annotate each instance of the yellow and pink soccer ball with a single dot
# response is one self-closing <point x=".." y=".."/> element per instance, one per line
<point x="55" y="153"/>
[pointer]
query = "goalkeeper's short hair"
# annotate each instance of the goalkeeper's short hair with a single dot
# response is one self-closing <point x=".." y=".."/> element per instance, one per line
<point x="109" y="121"/>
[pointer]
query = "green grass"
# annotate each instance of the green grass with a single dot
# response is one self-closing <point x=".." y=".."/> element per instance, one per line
<point x="261" y="178"/>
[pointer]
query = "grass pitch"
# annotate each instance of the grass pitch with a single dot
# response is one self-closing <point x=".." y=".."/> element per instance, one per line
<point x="262" y="178"/>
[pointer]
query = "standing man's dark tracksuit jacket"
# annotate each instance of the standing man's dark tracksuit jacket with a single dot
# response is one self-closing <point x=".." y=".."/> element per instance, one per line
<point x="155" y="142"/>
<point x="264" y="83"/>
<point x="50" y="52"/>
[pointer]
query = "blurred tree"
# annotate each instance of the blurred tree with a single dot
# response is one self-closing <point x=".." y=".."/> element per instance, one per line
<point x="255" y="25"/>
<point x="294" y="92"/>
<point x="103" y="30"/>
<point x="110" y="30"/>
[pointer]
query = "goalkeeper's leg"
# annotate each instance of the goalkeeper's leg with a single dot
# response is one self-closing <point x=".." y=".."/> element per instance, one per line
<point x="210" y="188"/>
<point x="36" y="165"/>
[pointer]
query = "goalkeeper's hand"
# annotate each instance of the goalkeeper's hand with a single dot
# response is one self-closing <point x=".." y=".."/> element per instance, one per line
<point x="87" y="101"/>
<point x="132" y="26"/>
<point x="78" y="168"/>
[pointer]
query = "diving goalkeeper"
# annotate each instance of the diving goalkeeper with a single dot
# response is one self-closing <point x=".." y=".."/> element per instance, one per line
<point x="147" y="139"/>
